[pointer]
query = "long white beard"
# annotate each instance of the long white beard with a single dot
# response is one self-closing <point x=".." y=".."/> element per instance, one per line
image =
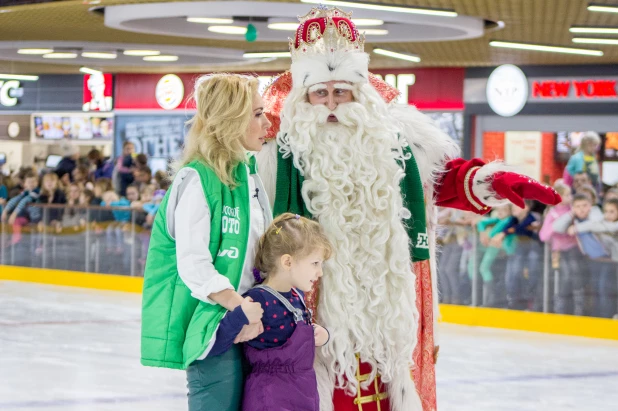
<point x="367" y="297"/>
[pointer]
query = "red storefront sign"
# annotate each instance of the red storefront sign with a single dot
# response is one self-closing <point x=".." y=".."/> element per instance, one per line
<point x="98" y="92"/>
<point x="574" y="89"/>
<point x="438" y="89"/>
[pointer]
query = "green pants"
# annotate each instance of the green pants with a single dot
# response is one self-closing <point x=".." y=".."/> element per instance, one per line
<point x="216" y="383"/>
<point x="488" y="260"/>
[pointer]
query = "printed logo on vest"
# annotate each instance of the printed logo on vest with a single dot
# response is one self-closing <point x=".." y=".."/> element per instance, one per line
<point x="230" y="222"/>
<point x="231" y="253"/>
<point x="422" y="241"/>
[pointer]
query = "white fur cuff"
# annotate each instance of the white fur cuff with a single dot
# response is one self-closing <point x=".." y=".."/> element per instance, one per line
<point x="481" y="185"/>
<point x="321" y="68"/>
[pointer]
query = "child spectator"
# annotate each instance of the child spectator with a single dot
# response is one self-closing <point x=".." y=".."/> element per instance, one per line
<point x="80" y="176"/>
<point x="102" y="167"/>
<point x="50" y="194"/>
<point x="72" y="215"/>
<point x="115" y="232"/>
<point x="574" y="281"/>
<point x="290" y="254"/>
<point x="4" y="192"/>
<point x="499" y="223"/>
<point x="160" y="177"/>
<point x="602" y="238"/>
<point x="589" y="191"/>
<point x="143" y="176"/>
<point x="585" y="161"/>
<point x="17" y="212"/>
<point x="524" y="225"/>
<point x="611" y="193"/>
<point x="452" y="238"/>
<point x="124" y="167"/>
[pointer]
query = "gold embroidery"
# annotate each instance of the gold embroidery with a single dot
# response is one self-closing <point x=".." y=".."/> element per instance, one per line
<point x="467" y="189"/>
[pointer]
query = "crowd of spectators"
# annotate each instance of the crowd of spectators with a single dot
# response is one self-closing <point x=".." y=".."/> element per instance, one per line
<point x="91" y="189"/>
<point x="581" y="234"/>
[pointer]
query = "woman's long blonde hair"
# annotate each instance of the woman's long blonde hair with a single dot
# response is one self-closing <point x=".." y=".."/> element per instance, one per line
<point x="224" y="104"/>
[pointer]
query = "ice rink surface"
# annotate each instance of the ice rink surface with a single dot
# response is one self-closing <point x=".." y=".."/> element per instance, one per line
<point x="70" y="349"/>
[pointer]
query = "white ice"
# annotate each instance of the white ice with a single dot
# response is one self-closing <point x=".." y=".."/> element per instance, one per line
<point x="70" y="349"/>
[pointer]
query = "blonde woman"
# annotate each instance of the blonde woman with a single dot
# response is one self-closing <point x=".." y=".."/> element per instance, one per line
<point x="203" y="244"/>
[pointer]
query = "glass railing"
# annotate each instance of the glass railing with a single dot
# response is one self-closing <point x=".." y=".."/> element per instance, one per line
<point x="527" y="275"/>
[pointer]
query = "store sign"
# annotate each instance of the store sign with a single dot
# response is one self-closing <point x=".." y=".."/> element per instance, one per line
<point x="169" y="92"/>
<point x="507" y="90"/>
<point x="98" y="92"/>
<point x="523" y="149"/>
<point x="156" y="136"/>
<point x="574" y="89"/>
<point x="10" y="92"/>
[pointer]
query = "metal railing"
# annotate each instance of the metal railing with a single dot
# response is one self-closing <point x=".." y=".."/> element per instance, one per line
<point x="115" y="240"/>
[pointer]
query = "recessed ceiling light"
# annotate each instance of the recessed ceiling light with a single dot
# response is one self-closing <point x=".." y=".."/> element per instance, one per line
<point x="60" y="56"/>
<point x="87" y="70"/>
<point x="161" y="58"/>
<point x="383" y="7"/>
<point x="260" y="55"/>
<point x="283" y="26"/>
<point x="550" y="49"/>
<point x="597" y="30"/>
<point x="228" y="29"/>
<point x="18" y="77"/>
<point x="606" y="8"/>
<point x="35" y="51"/>
<point x="141" y="53"/>
<point x="400" y="56"/>
<point x="99" y="55"/>
<point x="209" y="20"/>
<point x="368" y="22"/>
<point x="585" y="40"/>
<point x="374" y="32"/>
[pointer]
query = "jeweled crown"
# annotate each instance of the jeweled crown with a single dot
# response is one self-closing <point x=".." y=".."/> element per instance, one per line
<point x="325" y="30"/>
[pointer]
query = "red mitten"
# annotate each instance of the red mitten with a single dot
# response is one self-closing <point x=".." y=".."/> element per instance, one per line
<point x="516" y="188"/>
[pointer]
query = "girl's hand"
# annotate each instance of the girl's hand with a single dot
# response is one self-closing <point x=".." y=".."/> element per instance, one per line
<point x="571" y="231"/>
<point x="12" y="218"/>
<point x="320" y="334"/>
<point x="249" y="332"/>
<point x="252" y="310"/>
<point x="484" y="238"/>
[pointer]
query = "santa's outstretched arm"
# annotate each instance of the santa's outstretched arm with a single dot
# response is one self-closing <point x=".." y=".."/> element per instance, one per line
<point x="476" y="186"/>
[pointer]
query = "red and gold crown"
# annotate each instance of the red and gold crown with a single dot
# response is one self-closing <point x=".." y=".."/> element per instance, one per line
<point x="327" y="47"/>
<point x="325" y="30"/>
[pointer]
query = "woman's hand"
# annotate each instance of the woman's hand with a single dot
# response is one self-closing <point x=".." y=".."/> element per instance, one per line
<point x="249" y="332"/>
<point x="253" y="311"/>
<point x="320" y="334"/>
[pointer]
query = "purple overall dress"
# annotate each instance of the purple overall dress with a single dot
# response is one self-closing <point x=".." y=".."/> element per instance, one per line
<point x="282" y="378"/>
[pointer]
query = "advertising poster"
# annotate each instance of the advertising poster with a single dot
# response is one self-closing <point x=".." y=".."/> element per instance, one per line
<point x="72" y="126"/>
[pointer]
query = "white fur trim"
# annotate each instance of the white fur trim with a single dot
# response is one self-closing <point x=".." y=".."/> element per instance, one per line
<point x="432" y="148"/>
<point x="267" y="169"/>
<point x="481" y="185"/>
<point x="326" y="382"/>
<point x="321" y="68"/>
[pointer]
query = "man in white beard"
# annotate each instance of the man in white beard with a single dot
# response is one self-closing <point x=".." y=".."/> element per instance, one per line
<point x="371" y="173"/>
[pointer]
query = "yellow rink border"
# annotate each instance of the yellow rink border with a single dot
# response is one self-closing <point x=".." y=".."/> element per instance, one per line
<point x="530" y="321"/>
<point x="454" y="314"/>
<point x="110" y="282"/>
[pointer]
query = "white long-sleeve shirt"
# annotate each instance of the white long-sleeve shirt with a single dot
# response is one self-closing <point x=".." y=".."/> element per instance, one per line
<point x="188" y="222"/>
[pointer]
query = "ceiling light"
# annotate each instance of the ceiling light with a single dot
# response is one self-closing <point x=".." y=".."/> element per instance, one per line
<point x="603" y="8"/>
<point x="585" y="40"/>
<point x="260" y="55"/>
<point x="209" y="20"/>
<point x="374" y="32"/>
<point x="598" y="30"/>
<point x="161" y="58"/>
<point x="99" y="55"/>
<point x="141" y="53"/>
<point x="401" y="56"/>
<point x="228" y="29"/>
<point x="384" y="7"/>
<point x="87" y="70"/>
<point x="367" y="22"/>
<point x="60" y="56"/>
<point x="35" y="51"/>
<point x="550" y="49"/>
<point x="283" y="26"/>
<point x="18" y="77"/>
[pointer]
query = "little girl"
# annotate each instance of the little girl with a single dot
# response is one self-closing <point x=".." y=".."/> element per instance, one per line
<point x="290" y="256"/>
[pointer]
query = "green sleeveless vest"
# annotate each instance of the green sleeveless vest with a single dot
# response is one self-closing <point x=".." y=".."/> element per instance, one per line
<point x="177" y="328"/>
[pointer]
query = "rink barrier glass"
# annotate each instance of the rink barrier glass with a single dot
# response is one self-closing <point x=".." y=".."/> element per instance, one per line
<point x="91" y="240"/>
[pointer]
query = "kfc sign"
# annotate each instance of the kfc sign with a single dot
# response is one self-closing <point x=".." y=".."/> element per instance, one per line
<point x="98" y="92"/>
<point x="10" y="91"/>
<point x="574" y="89"/>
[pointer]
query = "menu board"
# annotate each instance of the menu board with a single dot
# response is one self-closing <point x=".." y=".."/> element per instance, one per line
<point x="73" y="126"/>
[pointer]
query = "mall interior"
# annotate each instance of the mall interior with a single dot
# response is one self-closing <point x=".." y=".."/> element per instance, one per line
<point x="97" y="99"/>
